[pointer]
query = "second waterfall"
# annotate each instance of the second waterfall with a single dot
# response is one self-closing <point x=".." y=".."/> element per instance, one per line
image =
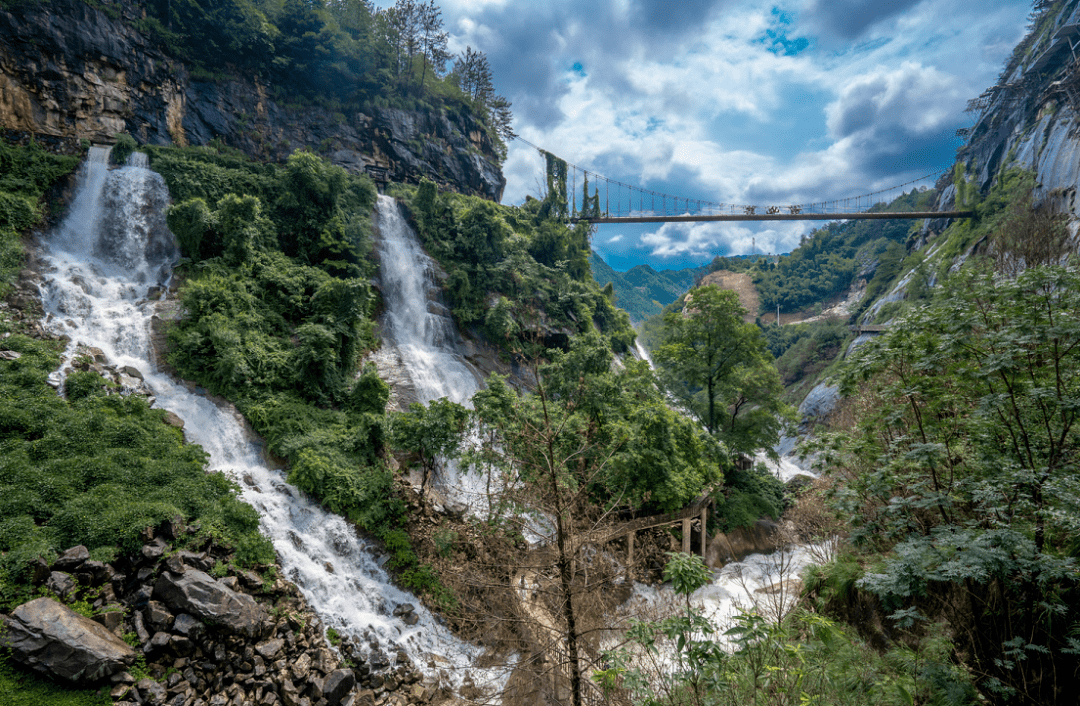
<point x="419" y="337"/>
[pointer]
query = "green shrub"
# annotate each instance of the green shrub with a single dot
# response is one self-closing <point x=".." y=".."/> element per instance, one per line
<point x="84" y="383"/>
<point x="96" y="470"/>
<point x="124" y="147"/>
<point x="748" y="496"/>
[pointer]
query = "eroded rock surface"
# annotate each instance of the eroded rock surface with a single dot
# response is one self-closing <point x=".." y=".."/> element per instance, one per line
<point x="69" y="70"/>
<point x="55" y="640"/>
<point x="200" y="595"/>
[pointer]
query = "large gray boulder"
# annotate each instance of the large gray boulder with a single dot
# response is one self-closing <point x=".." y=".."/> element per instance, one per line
<point x="337" y="686"/>
<point x="55" y="640"/>
<point x="198" y="594"/>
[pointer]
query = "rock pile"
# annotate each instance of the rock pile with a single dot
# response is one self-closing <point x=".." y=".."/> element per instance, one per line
<point x="177" y="625"/>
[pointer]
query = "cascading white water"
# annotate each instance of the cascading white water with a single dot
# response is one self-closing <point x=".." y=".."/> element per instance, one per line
<point x="642" y="352"/>
<point x="113" y="246"/>
<point x="417" y="327"/>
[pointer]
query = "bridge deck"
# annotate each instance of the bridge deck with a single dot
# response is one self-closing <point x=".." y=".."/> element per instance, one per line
<point x="878" y="216"/>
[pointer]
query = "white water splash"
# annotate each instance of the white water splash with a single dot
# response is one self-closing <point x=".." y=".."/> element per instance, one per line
<point x="766" y="583"/>
<point x="417" y="328"/>
<point x="111" y="249"/>
<point x="642" y="353"/>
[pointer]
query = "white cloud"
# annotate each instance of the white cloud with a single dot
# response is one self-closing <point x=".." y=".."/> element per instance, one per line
<point x="740" y="102"/>
<point x="705" y="240"/>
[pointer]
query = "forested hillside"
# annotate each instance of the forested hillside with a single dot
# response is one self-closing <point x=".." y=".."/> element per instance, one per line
<point x="641" y="291"/>
<point x="338" y="54"/>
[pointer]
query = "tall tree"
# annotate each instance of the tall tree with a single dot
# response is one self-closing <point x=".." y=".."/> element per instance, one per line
<point x="433" y="40"/>
<point x="721" y="369"/>
<point x="472" y="74"/>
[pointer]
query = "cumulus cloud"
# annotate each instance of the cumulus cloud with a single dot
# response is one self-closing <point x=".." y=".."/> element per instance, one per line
<point x="706" y="240"/>
<point x="914" y="100"/>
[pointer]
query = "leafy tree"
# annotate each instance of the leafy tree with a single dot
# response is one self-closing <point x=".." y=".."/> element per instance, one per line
<point x="433" y="40"/>
<point x="432" y="432"/>
<point x="963" y="467"/>
<point x="472" y="74"/>
<point x="720" y="368"/>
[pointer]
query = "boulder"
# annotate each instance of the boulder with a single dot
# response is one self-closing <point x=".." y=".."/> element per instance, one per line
<point x="131" y="371"/>
<point x="153" y="693"/>
<point x="172" y="420"/>
<point x="71" y="559"/>
<point x="188" y="626"/>
<point x="270" y="649"/>
<point x="111" y="620"/>
<point x="337" y="685"/>
<point x="198" y="560"/>
<point x="39" y="571"/>
<point x="60" y="583"/>
<point x="93" y="573"/>
<point x="54" y="640"/>
<point x="199" y="595"/>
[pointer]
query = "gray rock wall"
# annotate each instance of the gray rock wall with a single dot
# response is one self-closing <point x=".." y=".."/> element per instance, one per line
<point x="1033" y="120"/>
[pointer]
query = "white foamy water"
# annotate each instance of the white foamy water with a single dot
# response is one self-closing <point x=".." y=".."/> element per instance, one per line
<point x="642" y="353"/>
<point x="110" y="250"/>
<point x="767" y="583"/>
<point x="417" y="327"/>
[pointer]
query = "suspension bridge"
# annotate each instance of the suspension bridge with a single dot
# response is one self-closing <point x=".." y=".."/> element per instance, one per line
<point x="594" y="198"/>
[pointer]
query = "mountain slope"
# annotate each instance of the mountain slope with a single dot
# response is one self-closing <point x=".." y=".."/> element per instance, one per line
<point x="642" y="291"/>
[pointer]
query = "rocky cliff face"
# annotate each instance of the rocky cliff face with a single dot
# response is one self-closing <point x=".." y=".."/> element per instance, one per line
<point x="1031" y="118"/>
<point x="71" y="70"/>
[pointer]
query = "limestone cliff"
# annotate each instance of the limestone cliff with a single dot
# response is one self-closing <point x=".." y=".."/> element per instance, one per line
<point x="71" y="70"/>
<point x="1031" y="117"/>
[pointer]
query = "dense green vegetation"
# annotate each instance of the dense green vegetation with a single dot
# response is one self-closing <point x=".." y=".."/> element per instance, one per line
<point x="611" y="431"/>
<point x="522" y="276"/>
<point x="774" y="658"/>
<point x="828" y="259"/>
<point x="278" y="309"/>
<point x="721" y="370"/>
<point x="26" y="173"/>
<point x="344" y="55"/>
<point x="961" y="473"/>
<point x="804" y="350"/>
<point x="96" y="469"/>
<point x="20" y="688"/>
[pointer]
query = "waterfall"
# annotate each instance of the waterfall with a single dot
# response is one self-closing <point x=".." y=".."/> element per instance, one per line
<point x="111" y="249"/>
<point x="419" y="334"/>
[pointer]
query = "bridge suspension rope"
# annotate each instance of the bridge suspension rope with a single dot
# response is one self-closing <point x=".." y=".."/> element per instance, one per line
<point x="862" y="202"/>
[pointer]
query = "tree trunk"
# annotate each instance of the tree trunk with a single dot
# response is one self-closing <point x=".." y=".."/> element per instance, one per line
<point x="566" y="579"/>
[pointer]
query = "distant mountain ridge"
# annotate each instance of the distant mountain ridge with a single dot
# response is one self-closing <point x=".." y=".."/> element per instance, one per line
<point x="642" y="291"/>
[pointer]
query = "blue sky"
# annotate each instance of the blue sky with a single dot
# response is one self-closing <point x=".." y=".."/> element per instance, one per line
<point x="736" y="101"/>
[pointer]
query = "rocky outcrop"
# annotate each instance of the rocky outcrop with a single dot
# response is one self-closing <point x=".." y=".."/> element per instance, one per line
<point x="53" y="639"/>
<point x="160" y="604"/>
<point x="69" y="70"/>
<point x="192" y="591"/>
<point x="759" y="538"/>
<point x="1030" y="117"/>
